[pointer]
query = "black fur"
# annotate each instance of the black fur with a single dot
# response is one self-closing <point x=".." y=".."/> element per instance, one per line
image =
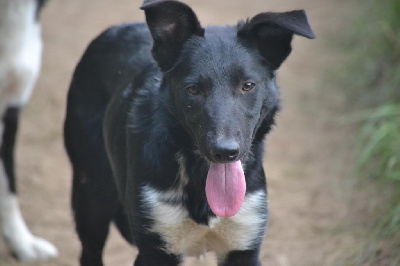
<point x="10" y="122"/>
<point x="129" y="116"/>
<point x="20" y="63"/>
<point x="39" y="7"/>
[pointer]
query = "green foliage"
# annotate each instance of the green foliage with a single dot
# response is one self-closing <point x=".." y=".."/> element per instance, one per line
<point x="372" y="75"/>
<point x="372" y="80"/>
<point x="379" y="143"/>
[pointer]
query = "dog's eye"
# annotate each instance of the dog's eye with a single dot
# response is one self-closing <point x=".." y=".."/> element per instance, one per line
<point x="193" y="89"/>
<point x="248" y="86"/>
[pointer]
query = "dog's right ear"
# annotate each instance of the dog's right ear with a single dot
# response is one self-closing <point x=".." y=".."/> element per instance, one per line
<point x="171" y="24"/>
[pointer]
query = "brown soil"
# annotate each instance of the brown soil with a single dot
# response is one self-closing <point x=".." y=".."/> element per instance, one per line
<point x="303" y="153"/>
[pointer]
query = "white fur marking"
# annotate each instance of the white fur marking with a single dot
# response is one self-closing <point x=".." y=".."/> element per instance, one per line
<point x="27" y="247"/>
<point x="183" y="236"/>
<point x="182" y="176"/>
<point x="20" y="56"/>
<point x="20" y="51"/>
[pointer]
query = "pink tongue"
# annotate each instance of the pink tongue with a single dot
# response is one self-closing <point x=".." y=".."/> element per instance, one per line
<point x="225" y="188"/>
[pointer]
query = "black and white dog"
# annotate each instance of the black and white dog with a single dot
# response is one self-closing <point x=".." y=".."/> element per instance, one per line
<point x="164" y="129"/>
<point x="20" y="57"/>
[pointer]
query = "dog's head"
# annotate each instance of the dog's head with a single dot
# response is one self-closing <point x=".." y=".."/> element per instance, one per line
<point x="222" y="78"/>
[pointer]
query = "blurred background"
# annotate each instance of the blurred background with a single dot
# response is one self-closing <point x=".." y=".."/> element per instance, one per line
<point x="332" y="162"/>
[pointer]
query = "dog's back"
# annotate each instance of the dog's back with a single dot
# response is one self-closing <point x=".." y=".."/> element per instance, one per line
<point x="114" y="61"/>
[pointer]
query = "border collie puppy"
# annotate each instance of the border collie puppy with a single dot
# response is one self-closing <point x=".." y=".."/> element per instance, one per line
<point x="20" y="58"/>
<point x="165" y="127"/>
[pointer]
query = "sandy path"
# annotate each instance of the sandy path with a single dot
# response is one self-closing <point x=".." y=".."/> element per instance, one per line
<point x="301" y="154"/>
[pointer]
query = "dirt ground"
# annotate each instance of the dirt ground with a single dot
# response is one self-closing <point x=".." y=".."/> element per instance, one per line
<point x="304" y="154"/>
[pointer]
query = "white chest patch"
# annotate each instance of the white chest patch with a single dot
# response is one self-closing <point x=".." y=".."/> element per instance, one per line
<point x="184" y="236"/>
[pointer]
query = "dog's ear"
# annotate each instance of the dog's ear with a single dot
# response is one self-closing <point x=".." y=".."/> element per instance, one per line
<point x="272" y="33"/>
<point x="171" y="24"/>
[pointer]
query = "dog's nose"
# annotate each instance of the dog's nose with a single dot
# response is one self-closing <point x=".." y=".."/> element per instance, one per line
<point x="225" y="151"/>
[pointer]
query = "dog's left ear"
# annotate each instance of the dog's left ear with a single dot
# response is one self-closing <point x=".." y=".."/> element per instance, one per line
<point x="171" y="24"/>
<point x="272" y="33"/>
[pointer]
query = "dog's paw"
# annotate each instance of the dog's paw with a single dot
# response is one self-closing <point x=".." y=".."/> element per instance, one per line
<point x="22" y="243"/>
<point x="27" y="247"/>
<point x="30" y="248"/>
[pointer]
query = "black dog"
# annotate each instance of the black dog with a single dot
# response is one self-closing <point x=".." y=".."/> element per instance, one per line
<point x="181" y="134"/>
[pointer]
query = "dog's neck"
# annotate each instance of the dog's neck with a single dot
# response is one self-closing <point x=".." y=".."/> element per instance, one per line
<point x="192" y="168"/>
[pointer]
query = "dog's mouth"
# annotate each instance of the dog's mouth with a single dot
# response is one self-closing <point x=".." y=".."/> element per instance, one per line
<point x="225" y="188"/>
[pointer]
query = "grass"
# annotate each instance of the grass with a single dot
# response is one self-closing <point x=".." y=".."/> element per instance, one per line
<point x="372" y="75"/>
<point x="378" y="144"/>
<point x="371" y="82"/>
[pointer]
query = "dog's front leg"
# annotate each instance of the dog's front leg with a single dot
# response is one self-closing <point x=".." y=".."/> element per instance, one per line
<point x="241" y="258"/>
<point x="151" y="253"/>
<point x="25" y="246"/>
<point x="145" y="260"/>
